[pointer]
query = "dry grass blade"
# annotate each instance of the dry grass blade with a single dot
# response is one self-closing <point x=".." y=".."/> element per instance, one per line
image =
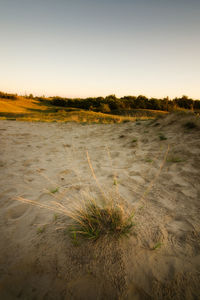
<point x="157" y="175"/>
<point x="93" y="173"/>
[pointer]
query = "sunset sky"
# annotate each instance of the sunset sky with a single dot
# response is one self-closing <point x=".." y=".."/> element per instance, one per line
<point x="80" y="48"/>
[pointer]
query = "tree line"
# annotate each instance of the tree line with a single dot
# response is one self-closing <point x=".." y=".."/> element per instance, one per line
<point x="8" y="96"/>
<point x="113" y="104"/>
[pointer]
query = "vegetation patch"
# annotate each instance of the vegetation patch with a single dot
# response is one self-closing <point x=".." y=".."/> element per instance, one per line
<point x="162" y="137"/>
<point x="92" y="221"/>
<point x="54" y="190"/>
<point x="190" y="125"/>
<point x="134" y="140"/>
<point x="175" y="159"/>
<point x="149" y="160"/>
<point x="40" y="229"/>
<point x="157" y="245"/>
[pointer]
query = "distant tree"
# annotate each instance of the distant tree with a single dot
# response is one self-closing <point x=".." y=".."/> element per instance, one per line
<point x="58" y="101"/>
<point x="184" y="102"/>
<point x="111" y="97"/>
<point x="141" y="101"/>
<point x="165" y="104"/>
<point x="104" y="108"/>
<point x="8" y="96"/>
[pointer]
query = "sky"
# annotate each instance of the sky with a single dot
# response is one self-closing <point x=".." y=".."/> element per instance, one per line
<point x="82" y="48"/>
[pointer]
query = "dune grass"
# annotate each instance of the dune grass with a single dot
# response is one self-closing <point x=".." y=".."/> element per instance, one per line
<point x="94" y="220"/>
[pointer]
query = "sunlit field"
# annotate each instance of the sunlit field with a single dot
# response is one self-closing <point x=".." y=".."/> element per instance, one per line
<point x="23" y="109"/>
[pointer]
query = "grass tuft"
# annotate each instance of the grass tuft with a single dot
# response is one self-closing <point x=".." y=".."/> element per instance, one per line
<point x="157" y="245"/>
<point x="149" y="160"/>
<point x="162" y="137"/>
<point x="40" y="229"/>
<point x="54" y="191"/>
<point x="134" y="140"/>
<point x="115" y="181"/>
<point x="190" y="125"/>
<point x="93" y="221"/>
<point x="175" y="159"/>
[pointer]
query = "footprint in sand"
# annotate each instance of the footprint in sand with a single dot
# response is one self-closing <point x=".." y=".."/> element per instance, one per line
<point x="85" y="287"/>
<point x="6" y="196"/>
<point x="17" y="211"/>
<point x="190" y="192"/>
<point x="179" y="226"/>
<point x="181" y="237"/>
<point x="2" y="164"/>
<point x="135" y="292"/>
<point x="45" y="196"/>
<point x="27" y="163"/>
<point x="114" y="154"/>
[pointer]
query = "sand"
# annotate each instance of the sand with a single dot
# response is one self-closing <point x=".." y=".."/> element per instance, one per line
<point x="161" y="257"/>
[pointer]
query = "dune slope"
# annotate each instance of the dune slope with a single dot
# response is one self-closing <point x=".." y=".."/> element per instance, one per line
<point x="156" y="168"/>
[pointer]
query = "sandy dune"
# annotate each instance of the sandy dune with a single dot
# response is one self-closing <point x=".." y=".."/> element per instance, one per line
<point x="161" y="258"/>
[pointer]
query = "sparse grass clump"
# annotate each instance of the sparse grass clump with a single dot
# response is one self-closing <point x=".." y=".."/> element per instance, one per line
<point x="53" y="191"/>
<point x="190" y="125"/>
<point x="40" y="229"/>
<point x="93" y="221"/>
<point x="157" y="245"/>
<point x="134" y="140"/>
<point x="115" y="181"/>
<point x="175" y="159"/>
<point x="149" y="160"/>
<point x="162" y="137"/>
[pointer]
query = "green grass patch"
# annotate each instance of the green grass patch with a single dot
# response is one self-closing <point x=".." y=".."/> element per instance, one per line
<point x="162" y="137"/>
<point x="54" y="190"/>
<point x="134" y="140"/>
<point x="40" y="229"/>
<point x="157" y="245"/>
<point x="115" y="182"/>
<point x="149" y="160"/>
<point x="175" y="159"/>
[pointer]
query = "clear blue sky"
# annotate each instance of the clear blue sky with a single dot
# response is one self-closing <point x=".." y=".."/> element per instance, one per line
<point x="80" y="48"/>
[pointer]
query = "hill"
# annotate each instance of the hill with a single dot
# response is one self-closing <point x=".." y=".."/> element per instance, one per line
<point x="151" y="167"/>
<point x="24" y="109"/>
